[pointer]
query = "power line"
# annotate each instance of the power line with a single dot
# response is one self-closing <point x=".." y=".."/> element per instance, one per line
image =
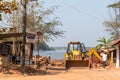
<point x="80" y="11"/>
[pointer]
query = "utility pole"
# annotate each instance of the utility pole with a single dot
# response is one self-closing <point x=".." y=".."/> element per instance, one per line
<point x="24" y="32"/>
<point x="24" y="3"/>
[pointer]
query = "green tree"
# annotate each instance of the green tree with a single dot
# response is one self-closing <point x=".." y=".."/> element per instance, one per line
<point x="44" y="46"/>
<point x="44" y="20"/>
<point x="14" y="22"/>
<point x="39" y="19"/>
<point x="7" y="7"/>
<point x="104" y="43"/>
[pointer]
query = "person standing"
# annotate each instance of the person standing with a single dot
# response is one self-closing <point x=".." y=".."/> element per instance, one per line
<point x="104" y="58"/>
<point x="90" y="62"/>
<point x="49" y="57"/>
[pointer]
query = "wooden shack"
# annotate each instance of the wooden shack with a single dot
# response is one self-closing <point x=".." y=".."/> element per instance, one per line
<point x="116" y="43"/>
<point x="14" y="42"/>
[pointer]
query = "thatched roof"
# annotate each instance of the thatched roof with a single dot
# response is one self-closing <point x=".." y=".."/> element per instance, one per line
<point x="117" y="41"/>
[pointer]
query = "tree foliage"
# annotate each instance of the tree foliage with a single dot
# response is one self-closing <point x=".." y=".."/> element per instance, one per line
<point x="104" y="43"/>
<point x="39" y="18"/>
<point x="44" y="46"/>
<point x="7" y="7"/>
<point x="113" y="26"/>
<point x="115" y="5"/>
<point x="44" y="20"/>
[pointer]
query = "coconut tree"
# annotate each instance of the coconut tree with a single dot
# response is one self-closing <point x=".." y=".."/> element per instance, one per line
<point x="104" y="43"/>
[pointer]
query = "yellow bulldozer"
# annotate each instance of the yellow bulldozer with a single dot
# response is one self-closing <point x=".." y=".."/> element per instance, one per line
<point x="76" y="55"/>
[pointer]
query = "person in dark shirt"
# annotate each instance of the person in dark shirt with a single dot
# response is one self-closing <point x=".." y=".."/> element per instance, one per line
<point x="13" y="59"/>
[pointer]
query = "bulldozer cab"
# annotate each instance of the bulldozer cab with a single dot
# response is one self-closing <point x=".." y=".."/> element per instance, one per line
<point x="76" y="51"/>
<point x="75" y="55"/>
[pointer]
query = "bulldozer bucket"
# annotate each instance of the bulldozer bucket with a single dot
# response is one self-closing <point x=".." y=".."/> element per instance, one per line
<point x="76" y="63"/>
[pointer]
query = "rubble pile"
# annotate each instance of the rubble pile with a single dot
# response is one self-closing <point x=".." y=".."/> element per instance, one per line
<point x="40" y="61"/>
<point x="58" y="63"/>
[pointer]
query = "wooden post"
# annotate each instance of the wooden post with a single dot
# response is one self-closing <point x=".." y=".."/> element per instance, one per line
<point x="111" y="57"/>
<point x="117" y="57"/>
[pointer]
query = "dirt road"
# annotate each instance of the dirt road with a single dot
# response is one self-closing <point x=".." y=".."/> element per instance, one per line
<point x="71" y="74"/>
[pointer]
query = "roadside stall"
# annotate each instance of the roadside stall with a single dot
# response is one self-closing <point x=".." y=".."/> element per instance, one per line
<point x="11" y="45"/>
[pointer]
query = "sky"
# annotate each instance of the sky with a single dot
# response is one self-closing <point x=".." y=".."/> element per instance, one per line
<point x="82" y="20"/>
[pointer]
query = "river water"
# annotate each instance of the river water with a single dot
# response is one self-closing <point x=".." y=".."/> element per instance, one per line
<point x="55" y="54"/>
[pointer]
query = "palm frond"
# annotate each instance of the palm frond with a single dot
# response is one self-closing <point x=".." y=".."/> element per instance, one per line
<point x="99" y="46"/>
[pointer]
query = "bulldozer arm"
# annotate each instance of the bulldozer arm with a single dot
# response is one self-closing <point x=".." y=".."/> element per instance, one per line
<point x="92" y="51"/>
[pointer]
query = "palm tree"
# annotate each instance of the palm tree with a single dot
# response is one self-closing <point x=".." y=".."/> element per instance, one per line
<point x="104" y="43"/>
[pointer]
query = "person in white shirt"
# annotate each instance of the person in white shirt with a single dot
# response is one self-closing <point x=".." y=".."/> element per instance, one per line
<point x="104" y="59"/>
<point x="49" y="57"/>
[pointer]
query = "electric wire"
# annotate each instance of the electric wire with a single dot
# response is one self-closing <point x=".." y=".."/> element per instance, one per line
<point x="80" y="11"/>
